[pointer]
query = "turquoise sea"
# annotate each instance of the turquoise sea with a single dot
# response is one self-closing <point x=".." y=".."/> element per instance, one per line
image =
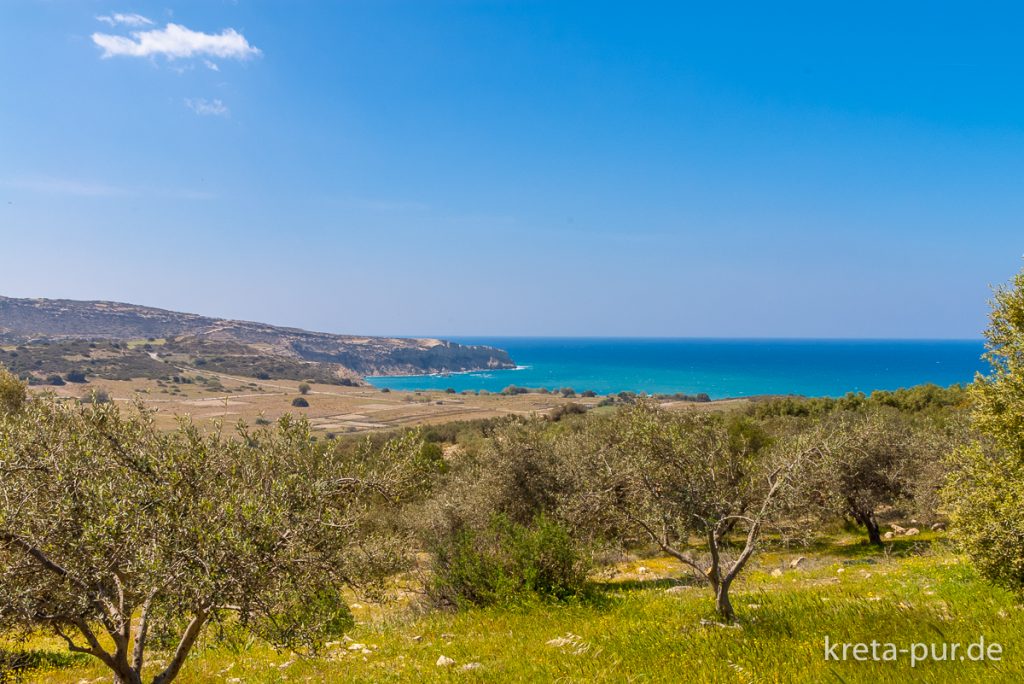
<point x="719" y="367"/>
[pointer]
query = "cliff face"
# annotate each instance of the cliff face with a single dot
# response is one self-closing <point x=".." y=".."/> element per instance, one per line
<point x="25" y="320"/>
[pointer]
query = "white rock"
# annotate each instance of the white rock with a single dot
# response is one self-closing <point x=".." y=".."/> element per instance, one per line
<point x="445" y="661"/>
<point x="471" y="666"/>
<point x="776" y="572"/>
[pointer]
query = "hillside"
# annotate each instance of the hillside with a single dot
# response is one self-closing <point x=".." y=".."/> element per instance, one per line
<point x="242" y="347"/>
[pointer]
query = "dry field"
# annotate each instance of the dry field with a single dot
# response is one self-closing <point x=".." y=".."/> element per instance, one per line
<point x="332" y="408"/>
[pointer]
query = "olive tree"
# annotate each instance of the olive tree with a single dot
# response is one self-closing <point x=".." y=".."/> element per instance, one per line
<point x="985" y="490"/>
<point x="878" y="459"/>
<point x="116" y="536"/>
<point x="691" y="483"/>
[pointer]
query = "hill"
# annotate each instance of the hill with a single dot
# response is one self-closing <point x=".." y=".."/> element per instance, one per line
<point x="54" y="335"/>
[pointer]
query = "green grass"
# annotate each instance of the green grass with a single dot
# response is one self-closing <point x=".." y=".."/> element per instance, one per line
<point x="142" y="342"/>
<point x="634" y="631"/>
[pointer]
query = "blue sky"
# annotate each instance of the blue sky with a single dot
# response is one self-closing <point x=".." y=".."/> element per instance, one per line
<point x="518" y="168"/>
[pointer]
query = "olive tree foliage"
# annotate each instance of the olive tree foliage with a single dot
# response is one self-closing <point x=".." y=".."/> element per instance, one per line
<point x="985" y="490"/>
<point x="13" y="392"/>
<point x="117" y="536"/>
<point x="698" y="487"/>
<point x="877" y="458"/>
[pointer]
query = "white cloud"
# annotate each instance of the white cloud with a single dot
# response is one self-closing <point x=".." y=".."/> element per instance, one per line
<point x="207" y="107"/>
<point x="174" y="41"/>
<point x="212" y="66"/>
<point x="126" y="19"/>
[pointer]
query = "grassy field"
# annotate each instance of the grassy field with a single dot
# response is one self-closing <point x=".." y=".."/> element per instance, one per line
<point x="643" y="626"/>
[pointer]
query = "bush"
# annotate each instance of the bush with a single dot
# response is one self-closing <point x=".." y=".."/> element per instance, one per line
<point x="566" y="410"/>
<point x="303" y="388"/>
<point x="508" y="563"/>
<point x="97" y="396"/>
<point x="13" y="394"/>
<point x="55" y="380"/>
<point x="299" y="402"/>
<point x="513" y="389"/>
<point x="75" y="376"/>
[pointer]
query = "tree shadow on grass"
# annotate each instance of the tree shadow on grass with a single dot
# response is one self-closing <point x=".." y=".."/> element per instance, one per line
<point x="16" y="665"/>
<point x="662" y="583"/>
<point x="900" y="547"/>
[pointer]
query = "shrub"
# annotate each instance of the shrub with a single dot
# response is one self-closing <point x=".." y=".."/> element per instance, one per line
<point x="13" y="394"/>
<point x="450" y="390"/>
<point x="75" y="376"/>
<point x="589" y="393"/>
<point x="299" y="402"/>
<point x="97" y="396"/>
<point x="303" y="388"/>
<point x="566" y="410"/>
<point x="508" y="563"/>
<point x="568" y="392"/>
<point x="513" y="389"/>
